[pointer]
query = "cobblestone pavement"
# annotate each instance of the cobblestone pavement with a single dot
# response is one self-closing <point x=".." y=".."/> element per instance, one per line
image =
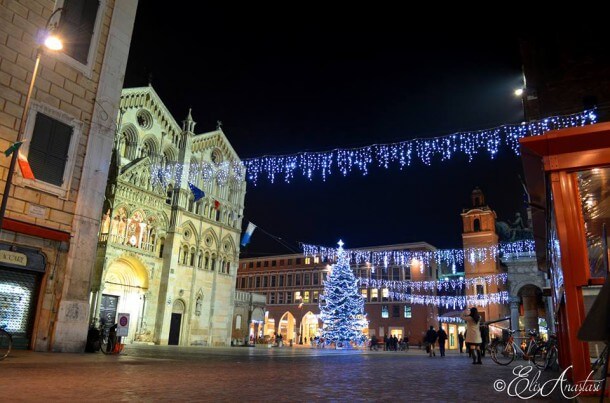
<point x="169" y="373"/>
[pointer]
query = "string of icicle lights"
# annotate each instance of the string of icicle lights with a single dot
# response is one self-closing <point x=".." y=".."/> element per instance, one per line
<point x="449" y="319"/>
<point x="345" y="160"/>
<point x="453" y="302"/>
<point x="424" y="258"/>
<point x="439" y="285"/>
<point x="403" y="153"/>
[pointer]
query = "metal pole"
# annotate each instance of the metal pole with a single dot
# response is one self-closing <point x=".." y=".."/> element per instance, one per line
<point x="24" y="116"/>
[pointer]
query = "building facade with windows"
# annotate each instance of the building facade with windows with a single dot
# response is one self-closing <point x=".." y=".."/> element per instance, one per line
<point x="167" y="259"/>
<point x="49" y="233"/>
<point x="293" y="284"/>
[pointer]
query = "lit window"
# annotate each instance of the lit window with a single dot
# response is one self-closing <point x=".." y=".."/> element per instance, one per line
<point x="316" y="259"/>
<point x="385" y="294"/>
<point x="297" y="295"/>
<point x="315" y="296"/>
<point x="307" y="260"/>
<point x="407" y="312"/>
<point x="374" y="296"/>
<point x="384" y="311"/>
<point x="306" y="296"/>
<point x="365" y="293"/>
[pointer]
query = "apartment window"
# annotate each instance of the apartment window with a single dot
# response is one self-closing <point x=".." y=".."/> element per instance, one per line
<point x="266" y="263"/>
<point x="480" y="289"/>
<point x="307" y="260"/>
<point x="265" y="281"/>
<point x="396" y="274"/>
<point x="77" y="26"/>
<point x="289" y="262"/>
<point x="306" y="297"/>
<point x="258" y="282"/>
<point x="273" y="263"/>
<point x="272" y="298"/>
<point x="258" y="264"/>
<point x="243" y="282"/>
<point x="315" y="296"/>
<point x="365" y="294"/>
<point x="289" y="298"/>
<point x="281" y="262"/>
<point x="374" y="296"/>
<point x="272" y="281"/>
<point x="281" y="280"/>
<point x="243" y="265"/>
<point x="324" y="276"/>
<point x="298" y="260"/>
<point x="316" y="259"/>
<point x="250" y="282"/>
<point x="289" y="280"/>
<point x="316" y="278"/>
<point x="396" y="311"/>
<point x="306" y="279"/>
<point x="297" y="278"/>
<point x="297" y="296"/>
<point x="251" y="265"/>
<point x="384" y="311"/>
<point x="280" y="298"/>
<point x="385" y="294"/>
<point x="407" y="312"/>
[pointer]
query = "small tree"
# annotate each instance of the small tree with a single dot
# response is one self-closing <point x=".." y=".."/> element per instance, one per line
<point x="342" y="306"/>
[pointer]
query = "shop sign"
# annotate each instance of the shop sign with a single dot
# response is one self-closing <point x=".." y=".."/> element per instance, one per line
<point x="18" y="259"/>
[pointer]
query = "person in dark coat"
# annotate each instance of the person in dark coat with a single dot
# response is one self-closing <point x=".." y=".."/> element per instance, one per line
<point x="430" y="339"/>
<point x="442" y="338"/>
<point x="461" y="342"/>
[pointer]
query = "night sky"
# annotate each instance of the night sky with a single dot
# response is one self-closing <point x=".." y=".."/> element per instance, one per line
<point x="288" y="81"/>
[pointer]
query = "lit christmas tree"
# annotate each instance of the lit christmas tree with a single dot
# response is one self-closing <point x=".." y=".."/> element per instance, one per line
<point x="342" y="306"/>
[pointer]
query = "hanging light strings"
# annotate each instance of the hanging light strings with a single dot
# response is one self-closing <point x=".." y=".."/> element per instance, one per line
<point x="438" y="285"/>
<point x="453" y="302"/>
<point x="403" y="153"/>
<point x="449" y="319"/>
<point x="346" y="160"/>
<point x="425" y="257"/>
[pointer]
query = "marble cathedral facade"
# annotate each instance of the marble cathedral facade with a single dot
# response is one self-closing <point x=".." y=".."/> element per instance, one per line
<point x="165" y="259"/>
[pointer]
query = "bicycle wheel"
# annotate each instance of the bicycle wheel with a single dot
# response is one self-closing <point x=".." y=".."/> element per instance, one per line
<point x="6" y="342"/>
<point x="539" y="358"/>
<point x="502" y="353"/>
<point x="106" y="344"/>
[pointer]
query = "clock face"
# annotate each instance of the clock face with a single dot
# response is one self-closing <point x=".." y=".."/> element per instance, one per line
<point x="133" y="240"/>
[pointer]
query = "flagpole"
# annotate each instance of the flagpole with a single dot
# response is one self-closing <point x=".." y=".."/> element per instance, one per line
<point x="14" y="156"/>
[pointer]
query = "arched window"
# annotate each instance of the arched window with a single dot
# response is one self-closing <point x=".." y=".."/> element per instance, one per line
<point x="477" y="225"/>
<point x="192" y="261"/>
<point x="237" y="322"/>
<point x="169" y="195"/>
<point x="161" y="245"/>
<point x="228" y="270"/>
<point x="185" y="255"/>
<point x="200" y="260"/>
<point x="213" y="264"/>
<point x="190" y="204"/>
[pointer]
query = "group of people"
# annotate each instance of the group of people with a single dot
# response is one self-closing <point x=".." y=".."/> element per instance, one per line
<point x="391" y="343"/>
<point x="472" y="338"/>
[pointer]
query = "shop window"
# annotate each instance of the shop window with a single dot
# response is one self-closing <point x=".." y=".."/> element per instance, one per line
<point x="384" y="311"/>
<point x="407" y="312"/>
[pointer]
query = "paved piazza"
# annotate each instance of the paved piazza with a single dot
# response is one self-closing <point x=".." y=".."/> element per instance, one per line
<point x="154" y="373"/>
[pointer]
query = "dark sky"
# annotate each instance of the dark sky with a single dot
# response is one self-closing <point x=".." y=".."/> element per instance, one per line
<point x="288" y="81"/>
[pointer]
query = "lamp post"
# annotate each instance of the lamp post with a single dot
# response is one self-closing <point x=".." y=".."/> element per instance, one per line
<point x="51" y="42"/>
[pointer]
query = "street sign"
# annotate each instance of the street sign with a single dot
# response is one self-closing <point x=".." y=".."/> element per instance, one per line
<point x="122" y="325"/>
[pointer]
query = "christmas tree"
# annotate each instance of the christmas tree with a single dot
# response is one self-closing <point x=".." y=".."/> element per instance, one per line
<point x="342" y="307"/>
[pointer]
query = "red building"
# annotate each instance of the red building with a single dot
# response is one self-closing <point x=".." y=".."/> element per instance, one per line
<point x="293" y="284"/>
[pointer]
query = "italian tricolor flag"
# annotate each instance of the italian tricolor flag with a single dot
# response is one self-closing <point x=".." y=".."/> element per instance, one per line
<point x="24" y="165"/>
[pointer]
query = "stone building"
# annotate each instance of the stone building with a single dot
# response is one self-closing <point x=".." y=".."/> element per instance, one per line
<point x="49" y="231"/>
<point x="292" y="285"/>
<point x="166" y="259"/>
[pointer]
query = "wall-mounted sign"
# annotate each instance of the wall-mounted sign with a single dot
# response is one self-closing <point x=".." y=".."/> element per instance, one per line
<point x="37" y="211"/>
<point x="18" y="259"/>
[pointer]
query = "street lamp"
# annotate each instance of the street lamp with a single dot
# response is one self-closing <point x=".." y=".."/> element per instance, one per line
<point x="51" y="42"/>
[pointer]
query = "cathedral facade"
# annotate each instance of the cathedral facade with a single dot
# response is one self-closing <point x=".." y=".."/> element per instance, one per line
<point x="169" y="241"/>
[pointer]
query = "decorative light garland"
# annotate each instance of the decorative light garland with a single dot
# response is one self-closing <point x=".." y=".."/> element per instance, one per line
<point x="449" y="319"/>
<point x="453" y="302"/>
<point x="405" y="152"/>
<point x="439" y="285"/>
<point x="409" y="257"/>
<point x="402" y="153"/>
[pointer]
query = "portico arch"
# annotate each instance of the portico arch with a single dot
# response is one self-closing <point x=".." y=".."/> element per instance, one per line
<point x="309" y="326"/>
<point x="287" y="327"/>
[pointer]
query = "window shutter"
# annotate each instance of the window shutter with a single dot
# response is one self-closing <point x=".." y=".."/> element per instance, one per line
<point x="49" y="149"/>
<point x="77" y="23"/>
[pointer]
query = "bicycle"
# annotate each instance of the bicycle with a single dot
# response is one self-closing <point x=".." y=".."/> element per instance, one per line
<point x="546" y="354"/>
<point x="109" y="342"/>
<point x="6" y="342"/>
<point x="600" y="364"/>
<point x="503" y="353"/>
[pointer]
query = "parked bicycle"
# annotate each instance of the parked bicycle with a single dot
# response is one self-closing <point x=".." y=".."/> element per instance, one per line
<point x="599" y="365"/>
<point x="546" y="354"/>
<point x="6" y="342"/>
<point x="109" y="342"/>
<point x="504" y="352"/>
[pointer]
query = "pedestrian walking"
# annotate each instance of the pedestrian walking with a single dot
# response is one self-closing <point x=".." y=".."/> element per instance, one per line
<point x="442" y="338"/>
<point x="461" y="342"/>
<point x="430" y="339"/>
<point x="473" y="334"/>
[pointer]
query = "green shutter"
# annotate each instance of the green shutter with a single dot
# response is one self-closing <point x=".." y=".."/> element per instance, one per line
<point x="49" y="149"/>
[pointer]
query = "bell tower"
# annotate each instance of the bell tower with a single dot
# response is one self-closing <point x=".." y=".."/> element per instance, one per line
<point x="479" y="232"/>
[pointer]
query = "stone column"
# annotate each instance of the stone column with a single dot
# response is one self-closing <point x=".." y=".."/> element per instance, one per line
<point x="515" y="302"/>
<point x="530" y="308"/>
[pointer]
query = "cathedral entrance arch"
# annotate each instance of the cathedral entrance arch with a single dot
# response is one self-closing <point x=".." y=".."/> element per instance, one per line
<point x="287" y="327"/>
<point x="309" y="326"/>
<point x="125" y="285"/>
